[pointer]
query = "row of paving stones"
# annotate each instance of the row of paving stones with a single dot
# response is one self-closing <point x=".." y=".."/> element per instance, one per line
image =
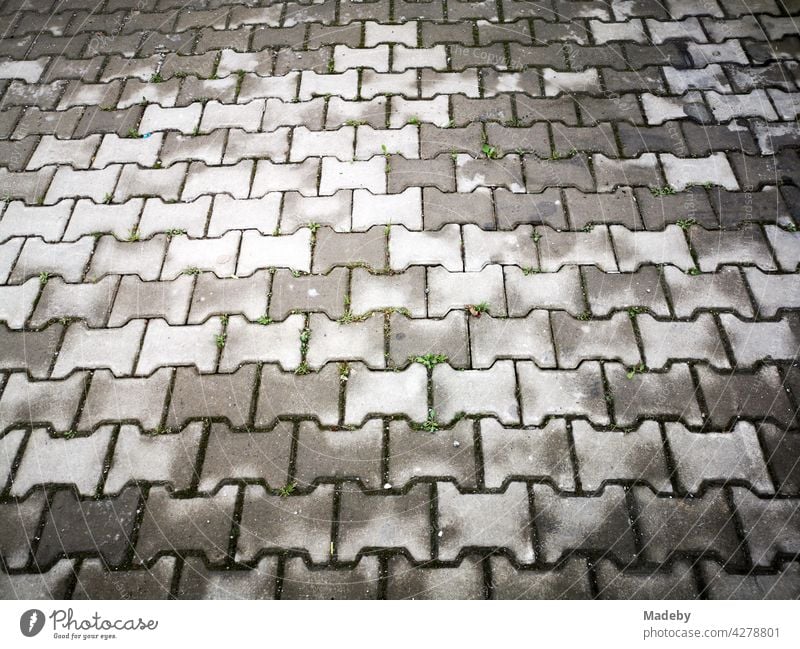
<point x="363" y="143"/>
<point x="552" y="339"/>
<point x="232" y="76"/>
<point x="430" y="522"/>
<point x="270" y="12"/>
<point x="344" y="295"/>
<point x="356" y="139"/>
<point x="85" y="34"/>
<point x="730" y="87"/>
<point x="601" y="21"/>
<point x="390" y="454"/>
<point x="393" y="174"/>
<point x="358" y="130"/>
<point x="468" y="257"/>
<point x="415" y="209"/>
<point x="665" y="121"/>
<point x="347" y="394"/>
<point x="512" y="99"/>
<point x="394" y="577"/>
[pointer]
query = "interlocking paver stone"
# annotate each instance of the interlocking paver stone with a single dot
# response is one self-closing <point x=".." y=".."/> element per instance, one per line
<point x="25" y="402"/>
<point x="67" y="260"/>
<point x="710" y="456"/>
<point x="142" y="258"/>
<point x="198" y="582"/>
<point x="164" y="344"/>
<point x="465" y="521"/>
<point x="770" y="526"/>
<point x="669" y="393"/>
<point x="48" y="222"/>
<point x="213" y="295"/>
<point x="355" y="341"/>
<point x="20" y="520"/>
<point x="757" y="395"/>
<point x="359" y="582"/>
<point x="569" y="581"/>
<point x="111" y="399"/>
<point x="408" y="582"/>
<point x="674" y="525"/>
<point x="558" y="290"/>
<point x="264" y="251"/>
<point x="496" y="338"/>
<point x="511" y="453"/>
<point x="270" y="522"/>
<point x="666" y="341"/>
<point x="138" y="299"/>
<point x="77" y="461"/>
<point x="90" y="348"/>
<point x="410" y="338"/>
<point x="458" y="391"/>
<point x="253" y="342"/>
<point x="33" y="351"/>
<point x="405" y="292"/>
<point x="559" y="249"/>
<point x="566" y="523"/>
<point x="17" y="303"/>
<point x="96" y="582"/>
<point x="102" y="527"/>
<point x="448" y="290"/>
<point x="605" y="456"/>
<point x="545" y="392"/>
<point x="232" y="455"/>
<point x="721" y="290"/>
<point x="675" y="583"/>
<point x="354" y="454"/>
<point x="576" y="340"/>
<point x="369" y="392"/>
<point x="723" y="585"/>
<point x="226" y="396"/>
<point x="186" y="524"/>
<point x="385" y="521"/>
<point x="312" y="395"/>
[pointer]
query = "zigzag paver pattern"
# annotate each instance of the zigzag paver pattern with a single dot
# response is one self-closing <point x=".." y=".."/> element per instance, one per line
<point x="397" y="299"/>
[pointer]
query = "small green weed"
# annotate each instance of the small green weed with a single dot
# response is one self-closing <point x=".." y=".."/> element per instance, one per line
<point x="490" y="151"/>
<point x="639" y="368"/>
<point x="430" y="360"/>
<point x="287" y="489"/>
<point x="666" y="190"/>
<point x="431" y="425"/>
<point x="476" y="310"/>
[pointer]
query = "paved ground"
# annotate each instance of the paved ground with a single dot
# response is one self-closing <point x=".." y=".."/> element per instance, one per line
<point x="399" y="299"/>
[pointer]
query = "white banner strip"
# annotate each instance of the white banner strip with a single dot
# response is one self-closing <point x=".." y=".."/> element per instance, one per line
<point x="401" y="625"/>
